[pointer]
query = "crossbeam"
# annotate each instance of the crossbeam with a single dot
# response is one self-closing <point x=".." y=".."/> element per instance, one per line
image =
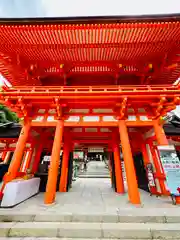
<point x="94" y="124"/>
<point x="89" y="92"/>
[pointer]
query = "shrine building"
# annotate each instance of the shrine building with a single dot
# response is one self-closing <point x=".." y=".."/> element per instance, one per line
<point x="79" y="83"/>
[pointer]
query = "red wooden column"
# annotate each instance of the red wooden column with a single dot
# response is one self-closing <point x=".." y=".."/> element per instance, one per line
<point x="133" y="192"/>
<point x="146" y="162"/>
<point x="54" y="165"/>
<point x="6" y="159"/>
<point x="64" y="169"/>
<point x="23" y="162"/>
<point x="118" y="170"/>
<point x="109" y="161"/>
<point x="4" y="154"/>
<point x="18" y="154"/>
<point x="37" y="157"/>
<point x="28" y="160"/>
<point x="160" y="134"/>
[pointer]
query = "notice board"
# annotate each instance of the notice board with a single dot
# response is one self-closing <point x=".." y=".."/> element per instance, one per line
<point x="171" y="165"/>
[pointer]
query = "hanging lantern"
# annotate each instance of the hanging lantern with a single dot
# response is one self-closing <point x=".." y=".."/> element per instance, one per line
<point x="31" y="67"/>
<point x="150" y="65"/>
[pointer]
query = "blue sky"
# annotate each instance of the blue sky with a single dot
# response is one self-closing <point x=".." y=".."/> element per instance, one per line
<point x="71" y="8"/>
<point x="66" y="8"/>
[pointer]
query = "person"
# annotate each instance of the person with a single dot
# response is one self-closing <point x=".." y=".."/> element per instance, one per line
<point x="85" y="163"/>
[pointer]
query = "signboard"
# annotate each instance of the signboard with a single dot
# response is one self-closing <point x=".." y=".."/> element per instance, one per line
<point x="78" y="155"/>
<point x="47" y="159"/>
<point x="171" y="165"/>
<point x="95" y="150"/>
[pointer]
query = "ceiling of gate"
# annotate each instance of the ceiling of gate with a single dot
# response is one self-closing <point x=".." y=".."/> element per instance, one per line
<point x="98" y="53"/>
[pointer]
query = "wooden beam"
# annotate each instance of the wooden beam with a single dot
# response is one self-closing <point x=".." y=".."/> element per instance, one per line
<point x="94" y="124"/>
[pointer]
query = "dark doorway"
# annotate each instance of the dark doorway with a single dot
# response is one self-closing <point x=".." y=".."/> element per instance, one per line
<point x="141" y="172"/>
<point x="43" y="172"/>
<point x="113" y="171"/>
<point x="70" y="171"/>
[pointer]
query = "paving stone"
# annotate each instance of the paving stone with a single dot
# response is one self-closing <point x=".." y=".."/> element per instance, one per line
<point x="173" y="219"/>
<point x="54" y="238"/>
<point x="165" y="231"/>
<point x="5" y="228"/>
<point x="80" y="230"/>
<point x="35" y="238"/>
<point x="92" y="195"/>
<point x="141" y="219"/>
<point x="45" y="217"/>
<point x="126" y="231"/>
<point x="11" y="238"/>
<point x="34" y="229"/>
<point x="95" y="217"/>
<point x="16" y="217"/>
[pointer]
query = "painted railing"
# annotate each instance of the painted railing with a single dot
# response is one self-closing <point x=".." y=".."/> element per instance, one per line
<point x="90" y="89"/>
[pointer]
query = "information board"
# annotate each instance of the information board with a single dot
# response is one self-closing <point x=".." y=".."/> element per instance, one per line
<point x="78" y="155"/>
<point x="171" y="165"/>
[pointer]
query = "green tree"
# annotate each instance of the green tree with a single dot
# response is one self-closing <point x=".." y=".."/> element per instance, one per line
<point x="7" y="116"/>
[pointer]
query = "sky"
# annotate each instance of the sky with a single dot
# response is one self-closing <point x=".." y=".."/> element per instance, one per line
<point x="81" y="8"/>
<point x="1" y="80"/>
<point x="71" y="8"/>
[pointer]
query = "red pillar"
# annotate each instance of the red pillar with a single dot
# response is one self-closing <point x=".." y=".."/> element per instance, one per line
<point x="133" y="192"/>
<point x="4" y="154"/>
<point x="160" y="134"/>
<point x="18" y="154"/>
<point x="64" y="169"/>
<point x="37" y="158"/>
<point x="153" y="189"/>
<point x="118" y="170"/>
<point x="160" y="175"/>
<point x="54" y="165"/>
<point x="6" y="159"/>
<point x="28" y="160"/>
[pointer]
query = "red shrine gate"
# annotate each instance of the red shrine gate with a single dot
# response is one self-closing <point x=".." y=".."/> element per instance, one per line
<point x="105" y="81"/>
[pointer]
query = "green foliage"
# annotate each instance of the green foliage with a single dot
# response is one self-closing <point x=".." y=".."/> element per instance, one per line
<point x="7" y="116"/>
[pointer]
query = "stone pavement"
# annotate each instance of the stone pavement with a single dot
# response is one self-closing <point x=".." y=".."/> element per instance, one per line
<point x="95" y="169"/>
<point x="92" y="210"/>
<point x="94" y="195"/>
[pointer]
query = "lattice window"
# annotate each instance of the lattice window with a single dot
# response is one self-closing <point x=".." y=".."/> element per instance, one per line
<point x="91" y="119"/>
<point x="109" y="119"/>
<point x="73" y="119"/>
<point x="132" y="118"/>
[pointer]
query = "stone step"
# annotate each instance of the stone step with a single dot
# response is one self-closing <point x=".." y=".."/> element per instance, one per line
<point x="119" y="217"/>
<point x="91" y="230"/>
<point x="93" y="173"/>
<point x="54" y="238"/>
<point x="93" y="176"/>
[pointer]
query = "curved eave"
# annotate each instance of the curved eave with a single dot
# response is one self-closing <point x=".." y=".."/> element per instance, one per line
<point x="95" y="19"/>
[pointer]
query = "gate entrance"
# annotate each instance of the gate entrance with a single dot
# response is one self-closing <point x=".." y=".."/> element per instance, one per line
<point x="141" y="172"/>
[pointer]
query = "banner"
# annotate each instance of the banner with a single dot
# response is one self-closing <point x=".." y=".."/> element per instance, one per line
<point x="171" y="165"/>
<point x="150" y="175"/>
